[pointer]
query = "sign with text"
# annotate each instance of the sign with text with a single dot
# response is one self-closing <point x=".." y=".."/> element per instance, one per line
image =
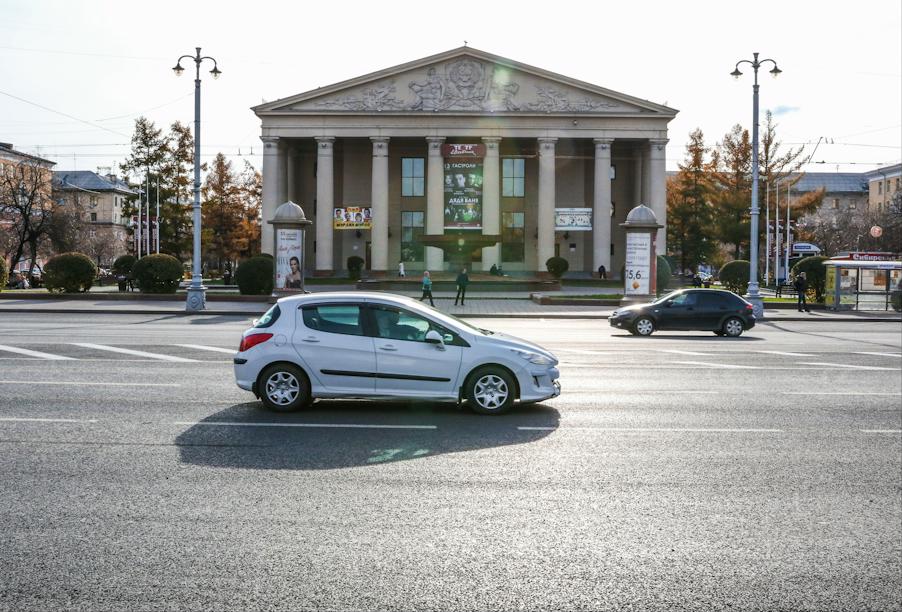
<point x="463" y="185"/>
<point x="638" y="263"/>
<point x="289" y="253"/>
<point x="352" y="218"/>
<point x="573" y="219"/>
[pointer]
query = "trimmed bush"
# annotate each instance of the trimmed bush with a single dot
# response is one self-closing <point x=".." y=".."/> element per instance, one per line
<point x="123" y="265"/>
<point x="70" y="272"/>
<point x="664" y="271"/>
<point x="4" y="274"/>
<point x="557" y="266"/>
<point x="254" y="275"/>
<point x="355" y="265"/>
<point x="734" y="275"/>
<point x="157" y="273"/>
<point x="815" y="273"/>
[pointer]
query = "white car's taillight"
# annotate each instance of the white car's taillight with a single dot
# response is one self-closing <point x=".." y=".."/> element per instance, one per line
<point x="248" y="342"/>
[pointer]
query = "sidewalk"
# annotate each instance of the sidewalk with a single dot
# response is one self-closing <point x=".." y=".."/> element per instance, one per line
<point x="476" y="307"/>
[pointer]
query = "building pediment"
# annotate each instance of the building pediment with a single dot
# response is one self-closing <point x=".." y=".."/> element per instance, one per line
<point x="464" y="80"/>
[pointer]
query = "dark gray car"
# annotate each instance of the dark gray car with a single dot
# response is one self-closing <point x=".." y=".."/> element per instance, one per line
<point x="723" y="312"/>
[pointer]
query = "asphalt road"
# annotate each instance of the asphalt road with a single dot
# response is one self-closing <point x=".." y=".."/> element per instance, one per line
<point x="681" y="471"/>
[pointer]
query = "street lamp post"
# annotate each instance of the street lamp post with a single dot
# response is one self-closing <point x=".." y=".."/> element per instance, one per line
<point x="196" y="292"/>
<point x="752" y="295"/>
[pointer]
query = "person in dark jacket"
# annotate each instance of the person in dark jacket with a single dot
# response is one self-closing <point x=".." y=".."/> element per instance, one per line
<point x="801" y="286"/>
<point x="462" y="281"/>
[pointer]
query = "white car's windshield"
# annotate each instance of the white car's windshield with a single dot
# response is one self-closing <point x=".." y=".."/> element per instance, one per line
<point x="447" y="318"/>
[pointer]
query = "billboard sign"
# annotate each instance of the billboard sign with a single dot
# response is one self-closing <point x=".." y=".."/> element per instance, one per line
<point x="573" y="219"/>
<point x="463" y="185"/>
<point x="352" y="218"/>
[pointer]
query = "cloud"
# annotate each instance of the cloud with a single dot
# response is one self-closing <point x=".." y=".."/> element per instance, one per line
<point x="785" y="110"/>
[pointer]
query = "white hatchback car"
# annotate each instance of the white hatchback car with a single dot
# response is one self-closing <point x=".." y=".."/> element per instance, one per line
<point x="380" y="345"/>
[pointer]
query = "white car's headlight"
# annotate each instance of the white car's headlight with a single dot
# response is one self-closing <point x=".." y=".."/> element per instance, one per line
<point x="534" y="358"/>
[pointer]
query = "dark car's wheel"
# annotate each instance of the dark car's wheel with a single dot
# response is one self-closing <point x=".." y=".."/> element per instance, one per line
<point x="490" y="390"/>
<point x="733" y="327"/>
<point x="644" y="326"/>
<point x="284" y="387"/>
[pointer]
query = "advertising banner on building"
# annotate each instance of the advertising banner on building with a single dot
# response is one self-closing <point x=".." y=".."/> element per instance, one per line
<point x="637" y="270"/>
<point x="463" y="185"/>
<point x="352" y="218"/>
<point x="289" y="252"/>
<point x="573" y="219"/>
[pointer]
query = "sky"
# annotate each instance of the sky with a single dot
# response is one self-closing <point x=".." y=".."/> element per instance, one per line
<point x="74" y="74"/>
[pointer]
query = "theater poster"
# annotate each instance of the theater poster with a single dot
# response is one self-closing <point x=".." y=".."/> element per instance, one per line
<point x="352" y="218"/>
<point x="463" y="185"/>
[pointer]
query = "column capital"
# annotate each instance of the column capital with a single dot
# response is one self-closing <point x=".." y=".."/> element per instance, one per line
<point x="658" y="144"/>
<point x="435" y="144"/>
<point x="546" y="145"/>
<point x="380" y="146"/>
<point x="491" y="143"/>
<point x="603" y="144"/>
<point x="324" y="145"/>
<point x="270" y="143"/>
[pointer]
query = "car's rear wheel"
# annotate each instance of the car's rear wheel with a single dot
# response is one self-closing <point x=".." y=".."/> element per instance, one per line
<point x="733" y="327"/>
<point x="284" y="387"/>
<point x="490" y="390"/>
<point x="644" y="326"/>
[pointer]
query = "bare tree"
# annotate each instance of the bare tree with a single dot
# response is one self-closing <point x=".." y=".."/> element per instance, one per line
<point x="26" y="208"/>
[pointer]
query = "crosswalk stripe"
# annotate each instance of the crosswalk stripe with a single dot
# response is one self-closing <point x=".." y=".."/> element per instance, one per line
<point x="845" y="365"/>
<point x="678" y="352"/>
<point x="29" y="353"/>
<point x="786" y="353"/>
<point x="726" y="366"/>
<point x="202" y="347"/>
<point x="878" y="354"/>
<point x="125" y="351"/>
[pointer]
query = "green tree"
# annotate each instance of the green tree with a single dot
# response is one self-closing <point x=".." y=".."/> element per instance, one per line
<point x="689" y="212"/>
<point x="223" y="211"/>
<point x="732" y="173"/>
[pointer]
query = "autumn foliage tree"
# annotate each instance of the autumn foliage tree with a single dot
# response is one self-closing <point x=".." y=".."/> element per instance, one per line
<point x="689" y="212"/>
<point x="231" y="207"/>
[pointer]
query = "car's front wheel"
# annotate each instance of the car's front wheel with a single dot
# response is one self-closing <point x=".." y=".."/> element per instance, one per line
<point x="733" y="327"/>
<point x="284" y="387"/>
<point x="644" y="326"/>
<point x="490" y="390"/>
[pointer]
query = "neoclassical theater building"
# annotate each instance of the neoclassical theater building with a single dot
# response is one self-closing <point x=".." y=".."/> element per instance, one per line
<point x="464" y="141"/>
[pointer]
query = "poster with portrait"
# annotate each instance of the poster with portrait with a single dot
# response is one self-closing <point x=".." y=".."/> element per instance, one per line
<point x="289" y="254"/>
<point x="352" y="218"/>
<point x="463" y="186"/>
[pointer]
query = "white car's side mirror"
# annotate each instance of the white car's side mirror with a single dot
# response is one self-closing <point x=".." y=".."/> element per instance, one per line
<point x="433" y="337"/>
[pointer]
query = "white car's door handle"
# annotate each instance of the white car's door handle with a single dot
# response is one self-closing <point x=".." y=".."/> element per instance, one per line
<point x="311" y="339"/>
<point x="388" y="347"/>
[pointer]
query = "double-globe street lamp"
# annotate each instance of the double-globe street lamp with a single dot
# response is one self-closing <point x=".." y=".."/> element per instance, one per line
<point x="752" y="295"/>
<point x="196" y="292"/>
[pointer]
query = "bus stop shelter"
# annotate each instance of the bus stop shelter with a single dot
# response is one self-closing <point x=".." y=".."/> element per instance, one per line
<point x="861" y="285"/>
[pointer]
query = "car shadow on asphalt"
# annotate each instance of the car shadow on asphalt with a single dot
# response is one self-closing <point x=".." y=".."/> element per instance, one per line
<point x="707" y="338"/>
<point x="779" y="327"/>
<point x="334" y="434"/>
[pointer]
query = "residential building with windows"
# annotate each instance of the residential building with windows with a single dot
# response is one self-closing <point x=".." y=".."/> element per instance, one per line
<point x="842" y="190"/>
<point x="883" y="184"/>
<point x="464" y="141"/>
<point x="99" y="198"/>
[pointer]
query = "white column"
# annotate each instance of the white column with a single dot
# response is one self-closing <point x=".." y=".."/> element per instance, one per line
<point x="491" y="200"/>
<point x="435" y="200"/>
<point x="640" y="193"/>
<point x="291" y="176"/>
<point x="324" y="203"/>
<point x="379" y="200"/>
<point x="270" y="189"/>
<point x="545" y="219"/>
<point x="601" y="212"/>
<point x="657" y="188"/>
<point x="282" y="172"/>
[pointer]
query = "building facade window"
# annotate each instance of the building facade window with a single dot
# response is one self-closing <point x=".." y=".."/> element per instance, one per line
<point x="880" y="188"/>
<point x="93" y="201"/>
<point x="835" y="202"/>
<point x="513" y="243"/>
<point x="412" y="223"/>
<point x="512" y="177"/>
<point x="412" y="176"/>
<point x="853" y="205"/>
<point x="93" y="217"/>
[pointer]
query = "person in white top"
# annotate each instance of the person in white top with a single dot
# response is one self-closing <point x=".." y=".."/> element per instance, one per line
<point x="401" y="272"/>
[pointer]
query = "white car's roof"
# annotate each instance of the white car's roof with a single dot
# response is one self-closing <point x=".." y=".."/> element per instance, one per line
<point x="356" y="296"/>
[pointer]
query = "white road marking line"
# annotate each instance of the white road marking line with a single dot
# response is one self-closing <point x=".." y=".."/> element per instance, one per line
<point x="39" y="354"/>
<point x="655" y="429"/>
<point x="892" y="431"/>
<point x="215" y="349"/>
<point x="311" y="425"/>
<point x="125" y="351"/>
<point x="726" y="366"/>
<point x="853" y="393"/>
<point x="583" y="351"/>
<point x="86" y="384"/>
<point x="845" y="366"/>
<point x="678" y="352"/>
<point x="879" y="354"/>
<point x="30" y="420"/>
<point x="787" y="353"/>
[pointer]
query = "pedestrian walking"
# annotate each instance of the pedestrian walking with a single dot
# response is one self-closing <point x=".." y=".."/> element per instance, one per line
<point x="401" y="271"/>
<point x="801" y="286"/>
<point x="427" y="288"/>
<point x="462" y="281"/>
